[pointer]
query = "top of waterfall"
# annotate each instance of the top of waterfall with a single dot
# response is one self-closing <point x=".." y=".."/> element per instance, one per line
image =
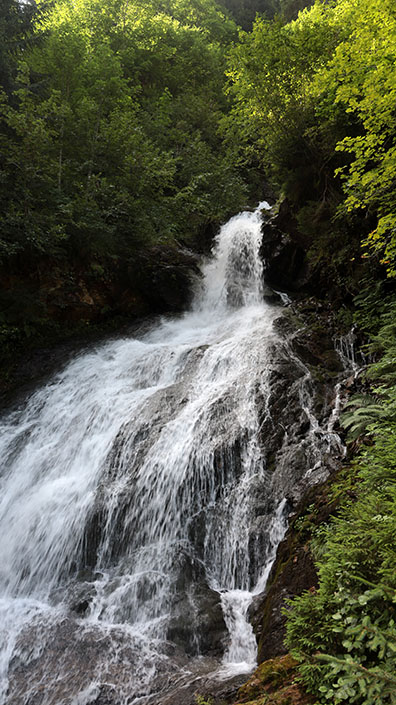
<point x="233" y="278"/>
<point x="264" y="206"/>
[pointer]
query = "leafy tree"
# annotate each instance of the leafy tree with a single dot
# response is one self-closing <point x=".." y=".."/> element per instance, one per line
<point x="244" y="11"/>
<point x="109" y="134"/>
<point x="362" y="79"/>
<point x="270" y="80"/>
<point x="314" y="99"/>
<point x="15" y="24"/>
<point x="121" y="95"/>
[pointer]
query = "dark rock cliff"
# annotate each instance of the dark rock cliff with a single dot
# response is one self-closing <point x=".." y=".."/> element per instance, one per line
<point x="49" y="305"/>
<point x="306" y="266"/>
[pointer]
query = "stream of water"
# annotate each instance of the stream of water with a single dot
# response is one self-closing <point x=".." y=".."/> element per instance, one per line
<point x="137" y="515"/>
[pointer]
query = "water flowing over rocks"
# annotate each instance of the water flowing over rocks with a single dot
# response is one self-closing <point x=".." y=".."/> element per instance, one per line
<point x="147" y="486"/>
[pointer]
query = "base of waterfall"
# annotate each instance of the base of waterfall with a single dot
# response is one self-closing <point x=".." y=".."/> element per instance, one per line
<point x="59" y="659"/>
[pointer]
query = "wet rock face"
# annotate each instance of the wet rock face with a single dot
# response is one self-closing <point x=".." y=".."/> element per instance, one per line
<point x="304" y="368"/>
<point x="285" y="262"/>
<point x="308" y="331"/>
<point x="157" y="280"/>
<point x="52" y="667"/>
<point x="197" y="623"/>
<point x="60" y="301"/>
<point x="274" y="681"/>
<point x="301" y="394"/>
<point x="293" y="394"/>
<point x="293" y="571"/>
<point x="283" y="251"/>
<point x="163" y="276"/>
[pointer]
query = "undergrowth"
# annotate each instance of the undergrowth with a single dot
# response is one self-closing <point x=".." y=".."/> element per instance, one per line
<point x="344" y="633"/>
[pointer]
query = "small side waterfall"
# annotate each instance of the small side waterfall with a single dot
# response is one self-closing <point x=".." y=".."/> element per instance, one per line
<point x="138" y="515"/>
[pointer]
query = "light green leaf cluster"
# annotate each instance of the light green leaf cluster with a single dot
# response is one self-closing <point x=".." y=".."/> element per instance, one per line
<point x="352" y="678"/>
<point x="316" y="98"/>
<point x="362" y="77"/>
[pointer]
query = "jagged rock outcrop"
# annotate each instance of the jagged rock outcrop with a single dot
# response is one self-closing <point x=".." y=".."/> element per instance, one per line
<point x="292" y="573"/>
<point x="284" y="252"/>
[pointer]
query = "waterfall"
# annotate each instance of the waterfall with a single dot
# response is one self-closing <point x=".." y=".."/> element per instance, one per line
<point x="137" y="513"/>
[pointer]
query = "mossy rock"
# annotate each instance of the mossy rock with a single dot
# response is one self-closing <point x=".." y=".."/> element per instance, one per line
<point x="272" y="672"/>
<point x="273" y="683"/>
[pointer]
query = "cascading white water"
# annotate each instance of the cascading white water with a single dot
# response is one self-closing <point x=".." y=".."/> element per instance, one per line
<point x="128" y="489"/>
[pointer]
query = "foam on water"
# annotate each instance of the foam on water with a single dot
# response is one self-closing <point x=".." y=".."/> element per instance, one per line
<point x="129" y="479"/>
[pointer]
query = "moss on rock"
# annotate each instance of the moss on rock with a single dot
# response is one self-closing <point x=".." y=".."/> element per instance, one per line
<point x="273" y="683"/>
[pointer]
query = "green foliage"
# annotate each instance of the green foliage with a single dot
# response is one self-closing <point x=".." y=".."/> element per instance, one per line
<point x="15" y="26"/>
<point x="371" y="304"/>
<point x="202" y="700"/>
<point x="314" y="102"/>
<point x="245" y="11"/>
<point x="109" y="132"/>
<point x="344" y="634"/>
<point x="109" y="141"/>
<point x="359" y="625"/>
<point x="270" y="75"/>
<point x="289" y="9"/>
<point x="362" y="78"/>
<point x="354" y="629"/>
<point x="365" y="675"/>
<point x="361" y="412"/>
<point x="362" y="625"/>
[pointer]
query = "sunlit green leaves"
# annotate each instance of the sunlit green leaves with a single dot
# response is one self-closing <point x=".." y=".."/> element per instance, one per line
<point x="321" y="91"/>
<point x="112" y="137"/>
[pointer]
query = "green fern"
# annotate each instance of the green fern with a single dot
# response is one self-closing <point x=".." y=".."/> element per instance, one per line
<point x="362" y="411"/>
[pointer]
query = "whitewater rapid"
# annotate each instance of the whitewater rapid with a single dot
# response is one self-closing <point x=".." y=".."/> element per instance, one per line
<point x="129" y="499"/>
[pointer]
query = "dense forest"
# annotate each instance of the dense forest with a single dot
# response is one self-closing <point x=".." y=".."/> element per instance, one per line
<point x="112" y="142"/>
<point x="109" y="129"/>
<point x="130" y="131"/>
